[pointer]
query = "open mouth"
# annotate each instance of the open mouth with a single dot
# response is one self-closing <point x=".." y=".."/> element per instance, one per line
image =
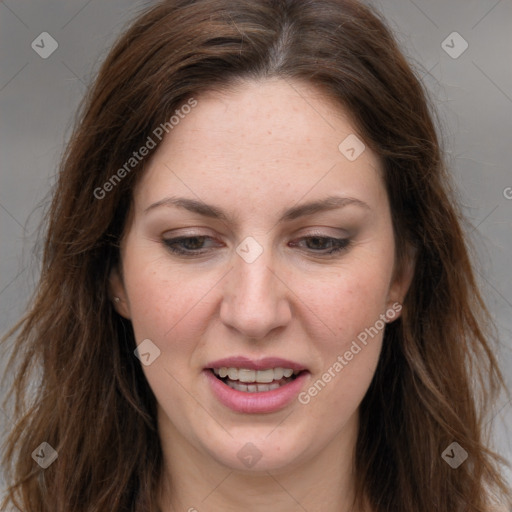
<point x="255" y="381"/>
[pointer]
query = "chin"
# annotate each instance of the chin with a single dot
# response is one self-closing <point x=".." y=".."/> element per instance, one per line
<point x="257" y="454"/>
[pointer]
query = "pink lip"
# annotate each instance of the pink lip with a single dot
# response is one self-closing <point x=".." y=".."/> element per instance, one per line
<point x="260" y="364"/>
<point x="256" y="403"/>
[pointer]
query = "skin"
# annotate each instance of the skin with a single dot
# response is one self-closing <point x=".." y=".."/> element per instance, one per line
<point x="255" y="151"/>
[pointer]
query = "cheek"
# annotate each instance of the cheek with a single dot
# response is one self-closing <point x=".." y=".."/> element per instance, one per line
<point x="350" y="356"/>
<point x="348" y="299"/>
<point x="166" y="309"/>
<point x="349" y="337"/>
<point x="163" y="307"/>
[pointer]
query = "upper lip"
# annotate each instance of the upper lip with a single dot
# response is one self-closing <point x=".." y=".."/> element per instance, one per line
<point x="255" y="364"/>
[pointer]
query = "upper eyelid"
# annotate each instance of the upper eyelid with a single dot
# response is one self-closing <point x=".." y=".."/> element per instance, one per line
<point x="315" y="234"/>
<point x="316" y="231"/>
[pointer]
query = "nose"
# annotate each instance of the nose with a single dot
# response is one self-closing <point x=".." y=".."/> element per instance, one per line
<point x="255" y="297"/>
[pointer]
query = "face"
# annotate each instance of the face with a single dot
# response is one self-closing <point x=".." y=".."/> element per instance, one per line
<point x="226" y="271"/>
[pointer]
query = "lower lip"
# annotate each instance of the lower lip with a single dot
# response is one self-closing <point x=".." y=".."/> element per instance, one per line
<point x="254" y="403"/>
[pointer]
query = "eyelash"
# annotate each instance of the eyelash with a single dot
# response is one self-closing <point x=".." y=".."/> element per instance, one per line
<point x="340" y="245"/>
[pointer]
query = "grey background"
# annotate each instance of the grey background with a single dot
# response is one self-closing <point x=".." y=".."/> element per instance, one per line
<point x="472" y="93"/>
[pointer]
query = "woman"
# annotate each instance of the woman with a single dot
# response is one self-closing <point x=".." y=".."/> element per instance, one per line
<point x="256" y="294"/>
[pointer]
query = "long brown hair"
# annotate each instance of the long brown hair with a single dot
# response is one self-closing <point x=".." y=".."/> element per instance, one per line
<point x="92" y="404"/>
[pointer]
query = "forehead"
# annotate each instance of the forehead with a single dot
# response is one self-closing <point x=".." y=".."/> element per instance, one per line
<point x="259" y="140"/>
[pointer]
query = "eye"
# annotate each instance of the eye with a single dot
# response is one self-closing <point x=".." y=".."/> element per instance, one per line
<point x="187" y="245"/>
<point x="325" y="245"/>
<point x="320" y="245"/>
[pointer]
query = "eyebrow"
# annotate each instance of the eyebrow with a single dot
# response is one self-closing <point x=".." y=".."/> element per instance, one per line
<point x="295" y="212"/>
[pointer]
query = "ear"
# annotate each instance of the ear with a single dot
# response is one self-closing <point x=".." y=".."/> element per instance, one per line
<point x="118" y="293"/>
<point x="402" y="279"/>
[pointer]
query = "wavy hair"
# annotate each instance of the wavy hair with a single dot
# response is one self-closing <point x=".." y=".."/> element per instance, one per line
<point x="78" y="386"/>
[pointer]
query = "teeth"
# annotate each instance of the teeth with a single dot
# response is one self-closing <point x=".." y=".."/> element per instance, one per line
<point x="280" y="372"/>
<point x="254" y="376"/>
<point x="252" y="388"/>
<point x="265" y="376"/>
<point x="245" y="375"/>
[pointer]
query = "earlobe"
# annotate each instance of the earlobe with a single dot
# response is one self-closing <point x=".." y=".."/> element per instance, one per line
<point x="118" y="294"/>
